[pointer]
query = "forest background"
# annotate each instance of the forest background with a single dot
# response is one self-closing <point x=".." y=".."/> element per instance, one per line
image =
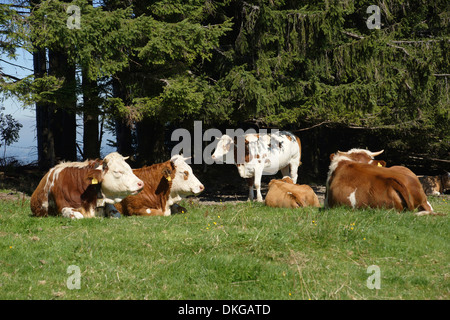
<point x="141" y="69"/>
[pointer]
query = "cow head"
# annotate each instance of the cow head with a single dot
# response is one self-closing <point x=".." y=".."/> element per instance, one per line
<point x="116" y="177"/>
<point x="224" y="145"/>
<point x="358" y="155"/>
<point x="185" y="182"/>
<point x="287" y="179"/>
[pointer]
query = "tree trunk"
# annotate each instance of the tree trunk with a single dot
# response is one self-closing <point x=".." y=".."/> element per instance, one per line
<point x="124" y="133"/>
<point x="45" y="143"/>
<point x="63" y="121"/>
<point x="91" y="141"/>
<point x="150" y="142"/>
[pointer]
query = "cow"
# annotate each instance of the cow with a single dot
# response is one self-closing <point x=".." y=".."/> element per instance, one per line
<point x="283" y="193"/>
<point x="356" y="180"/>
<point x="166" y="184"/>
<point x="435" y="185"/>
<point x="84" y="189"/>
<point x="262" y="153"/>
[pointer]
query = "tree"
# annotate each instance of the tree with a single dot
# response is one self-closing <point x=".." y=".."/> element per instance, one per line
<point x="9" y="131"/>
<point x="313" y="67"/>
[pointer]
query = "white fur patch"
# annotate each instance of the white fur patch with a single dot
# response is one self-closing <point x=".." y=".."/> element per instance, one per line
<point x="352" y="198"/>
<point x="334" y="163"/>
<point x="430" y="206"/>
<point x="69" y="213"/>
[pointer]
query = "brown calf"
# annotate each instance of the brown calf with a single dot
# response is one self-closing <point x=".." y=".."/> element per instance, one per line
<point x="285" y="194"/>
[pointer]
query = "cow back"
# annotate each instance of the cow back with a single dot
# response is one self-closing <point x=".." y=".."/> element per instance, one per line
<point x="66" y="185"/>
<point x="157" y="184"/>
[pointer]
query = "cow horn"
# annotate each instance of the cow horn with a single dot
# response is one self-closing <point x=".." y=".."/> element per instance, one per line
<point x="125" y="158"/>
<point x="374" y="154"/>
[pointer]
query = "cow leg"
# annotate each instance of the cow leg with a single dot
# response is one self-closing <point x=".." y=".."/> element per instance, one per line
<point x="149" y="212"/>
<point x="426" y="209"/>
<point x="70" y="213"/>
<point x="250" y="182"/>
<point x="285" y="171"/>
<point x="258" y="175"/>
<point x="111" y="211"/>
<point x="294" y="169"/>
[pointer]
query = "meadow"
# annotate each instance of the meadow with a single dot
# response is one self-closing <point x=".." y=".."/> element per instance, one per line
<point x="226" y="251"/>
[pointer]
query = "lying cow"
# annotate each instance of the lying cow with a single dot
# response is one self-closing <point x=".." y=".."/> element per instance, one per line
<point x="262" y="153"/>
<point x="165" y="184"/>
<point x="283" y="193"/>
<point x="84" y="189"/>
<point x="355" y="179"/>
<point x="435" y="185"/>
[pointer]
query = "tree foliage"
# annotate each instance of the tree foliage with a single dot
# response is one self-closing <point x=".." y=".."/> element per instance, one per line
<point x="280" y="63"/>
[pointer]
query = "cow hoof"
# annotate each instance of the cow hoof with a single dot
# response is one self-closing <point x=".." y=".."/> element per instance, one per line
<point x="76" y="215"/>
<point x="174" y="209"/>
<point x="69" y="213"/>
<point x="115" y="215"/>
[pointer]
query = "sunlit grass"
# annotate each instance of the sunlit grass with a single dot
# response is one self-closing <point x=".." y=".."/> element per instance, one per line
<point x="226" y="251"/>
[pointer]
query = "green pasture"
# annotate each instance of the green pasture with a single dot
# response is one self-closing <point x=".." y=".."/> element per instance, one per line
<point x="226" y="251"/>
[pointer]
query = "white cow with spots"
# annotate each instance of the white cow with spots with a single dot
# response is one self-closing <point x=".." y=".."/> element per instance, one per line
<point x="258" y="154"/>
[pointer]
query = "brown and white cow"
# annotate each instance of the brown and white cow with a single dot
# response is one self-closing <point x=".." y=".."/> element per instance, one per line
<point x="355" y="179"/>
<point x="165" y="184"/>
<point x="435" y="185"/>
<point x="283" y="193"/>
<point x="84" y="189"/>
<point x="262" y="154"/>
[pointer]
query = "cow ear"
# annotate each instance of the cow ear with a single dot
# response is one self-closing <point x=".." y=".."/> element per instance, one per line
<point x="288" y="179"/>
<point x="381" y="163"/>
<point x="166" y="172"/>
<point x="332" y="156"/>
<point x="94" y="176"/>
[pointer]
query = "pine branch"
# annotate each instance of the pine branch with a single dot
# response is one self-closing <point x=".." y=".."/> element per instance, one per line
<point x="415" y="41"/>
<point x="398" y="47"/>
<point x="353" y="35"/>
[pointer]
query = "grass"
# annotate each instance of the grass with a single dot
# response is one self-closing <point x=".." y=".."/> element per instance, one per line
<point x="226" y="251"/>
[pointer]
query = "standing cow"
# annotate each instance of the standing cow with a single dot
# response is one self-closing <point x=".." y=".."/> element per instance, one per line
<point x="84" y="189"/>
<point x="262" y="153"/>
<point x="165" y="184"/>
<point x="357" y="180"/>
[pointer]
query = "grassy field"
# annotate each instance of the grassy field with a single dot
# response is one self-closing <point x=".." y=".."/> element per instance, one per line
<point x="226" y="251"/>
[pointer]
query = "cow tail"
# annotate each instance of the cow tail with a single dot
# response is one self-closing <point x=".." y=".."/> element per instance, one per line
<point x="426" y="209"/>
<point x="297" y="200"/>
<point x="299" y="150"/>
<point x="401" y="189"/>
